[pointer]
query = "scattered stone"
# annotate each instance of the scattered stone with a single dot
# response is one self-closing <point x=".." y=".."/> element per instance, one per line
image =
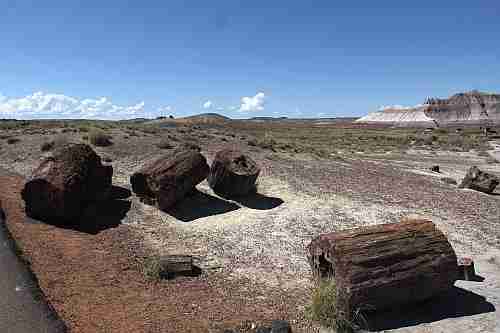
<point x="478" y="180"/>
<point x="233" y="174"/>
<point x="449" y="180"/>
<point x="435" y="168"/>
<point x="385" y="265"/>
<point x="466" y="270"/>
<point x="168" y="179"/>
<point x="66" y="183"/>
<point x="280" y="326"/>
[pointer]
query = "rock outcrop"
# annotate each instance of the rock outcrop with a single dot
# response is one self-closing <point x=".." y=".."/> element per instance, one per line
<point x="478" y="180"/>
<point x="470" y="108"/>
<point x="233" y="174"/>
<point x="385" y="266"/>
<point x="66" y="183"/>
<point x="168" y="179"/>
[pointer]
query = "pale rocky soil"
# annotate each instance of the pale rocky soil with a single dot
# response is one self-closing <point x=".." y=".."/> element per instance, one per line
<point x="305" y="197"/>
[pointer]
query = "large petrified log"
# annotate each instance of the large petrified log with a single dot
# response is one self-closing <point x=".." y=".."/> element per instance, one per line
<point x="386" y="265"/>
<point x="233" y="174"/>
<point x="478" y="180"/>
<point x="66" y="183"/>
<point x="168" y="179"/>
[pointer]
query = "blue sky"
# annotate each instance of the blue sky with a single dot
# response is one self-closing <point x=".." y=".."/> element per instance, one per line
<point x="287" y="58"/>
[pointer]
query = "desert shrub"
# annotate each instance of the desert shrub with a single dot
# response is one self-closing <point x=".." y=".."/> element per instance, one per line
<point x="99" y="138"/>
<point x="323" y="308"/>
<point x="83" y="129"/>
<point x="59" y="141"/>
<point x="11" y="141"/>
<point x="151" y="268"/>
<point x="164" y="144"/>
<point x="252" y="143"/>
<point x="46" y="146"/>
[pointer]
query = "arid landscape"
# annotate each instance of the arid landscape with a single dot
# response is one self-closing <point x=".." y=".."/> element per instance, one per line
<point x="316" y="176"/>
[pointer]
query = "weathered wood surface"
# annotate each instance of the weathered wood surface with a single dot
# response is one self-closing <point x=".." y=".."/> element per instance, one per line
<point x="233" y="174"/>
<point x="168" y="179"/>
<point x="66" y="183"/>
<point x="387" y="265"/>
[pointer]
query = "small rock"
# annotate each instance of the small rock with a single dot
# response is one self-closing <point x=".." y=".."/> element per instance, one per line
<point x="280" y="326"/>
<point x="449" y="180"/>
<point x="435" y="168"/>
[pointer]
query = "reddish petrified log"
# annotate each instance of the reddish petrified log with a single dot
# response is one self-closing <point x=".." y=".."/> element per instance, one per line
<point x="66" y="183"/>
<point x="233" y="173"/>
<point x="386" y="265"/>
<point x="168" y="179"/>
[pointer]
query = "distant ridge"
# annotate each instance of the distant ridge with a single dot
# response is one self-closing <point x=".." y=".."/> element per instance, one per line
<point x="203" y="118"/>
<point x="469" y="108"/>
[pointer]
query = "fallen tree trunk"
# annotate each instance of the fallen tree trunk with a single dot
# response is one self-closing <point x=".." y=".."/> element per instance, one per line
<point x="386" y="265"/>
<point x="168" y="179"/>
<point x="65" y="184"/>
<point x="233" y="174"/>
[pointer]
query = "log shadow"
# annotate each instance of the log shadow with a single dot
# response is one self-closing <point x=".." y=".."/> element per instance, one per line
<point x="101" y="216"/>
<point x="118" y="192"/>
<point x="198" y="204"/>
<point x="194" y="272"/>
<point x="455" y="303"/>
<point x="258" y="201"/>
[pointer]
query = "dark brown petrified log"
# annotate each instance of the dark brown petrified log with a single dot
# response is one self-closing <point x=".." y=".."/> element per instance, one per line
<point x="66" y="183"/>
<point x="168" y="179"/>
<point x="233" y="174"/>
<point x="386" y="265"/>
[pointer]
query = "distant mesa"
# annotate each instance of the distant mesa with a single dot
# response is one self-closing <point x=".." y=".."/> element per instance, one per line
<point x="203" y="118"/>
<point x="469" y="108"/>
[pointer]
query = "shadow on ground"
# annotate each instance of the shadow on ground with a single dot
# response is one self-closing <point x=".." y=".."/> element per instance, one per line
<point x="99" y="216"/>
<point x="198" y="204"/>
<point x="259" y="201"/>
<point x="456" y="303"/>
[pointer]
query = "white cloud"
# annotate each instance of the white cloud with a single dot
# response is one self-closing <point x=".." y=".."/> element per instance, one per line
<point x="252" y="104"/>
<point x="41" y="105"/>
<point x="207" y="105"/>
<point x="220" y="108"/>
<point x="164" y="109"/>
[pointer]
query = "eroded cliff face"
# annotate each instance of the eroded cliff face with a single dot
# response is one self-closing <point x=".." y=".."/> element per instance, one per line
<point x="474" y="108"/>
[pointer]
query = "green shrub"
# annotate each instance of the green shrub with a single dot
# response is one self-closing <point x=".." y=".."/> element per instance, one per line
<point x="11" y="141"/>
<point x="99" y="138"/>
<point x="324" y="310"/>
<point x="151" y="268"/>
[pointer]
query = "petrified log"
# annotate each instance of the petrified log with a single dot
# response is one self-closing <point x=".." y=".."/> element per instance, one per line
<point x="233" y="173"/>
<point x="168" y="179"/>
<point x="386" y="265"/>
<point x="478" y="180"/>
<point x="66" y="183"/>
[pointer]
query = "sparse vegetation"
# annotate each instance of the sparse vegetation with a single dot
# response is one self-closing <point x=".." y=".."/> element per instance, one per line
<point x="165" y="144"/>
<point x="11" y="141"/>
<point x="324" y="310"/>
<point x="151" y="268"/>
<point x="99" y="138"/>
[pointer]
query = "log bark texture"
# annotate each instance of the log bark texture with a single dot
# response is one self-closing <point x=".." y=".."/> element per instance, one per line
<point x="386" y="265"/>
<point x="168" y="179"/>
<point x="233" y="174"/>
<point x="66" y="183"/>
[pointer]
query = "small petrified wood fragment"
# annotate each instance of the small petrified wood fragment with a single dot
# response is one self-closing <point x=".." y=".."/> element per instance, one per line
<point x="386" y="265"/>
<point x="66" y="183"/>
<point x="168" y="179"/>
<point x="478" y="180"/>
<point x="171" y="265"/>
<point x="233" y="174"/>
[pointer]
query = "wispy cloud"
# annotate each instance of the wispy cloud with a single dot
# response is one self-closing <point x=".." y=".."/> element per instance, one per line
<point x="40" y="105"/>
<point x="252" y="104"/>
<point x="207" y="105"/>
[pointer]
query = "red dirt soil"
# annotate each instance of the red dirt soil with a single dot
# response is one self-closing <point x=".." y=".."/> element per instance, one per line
<point x="95" y="284"/>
